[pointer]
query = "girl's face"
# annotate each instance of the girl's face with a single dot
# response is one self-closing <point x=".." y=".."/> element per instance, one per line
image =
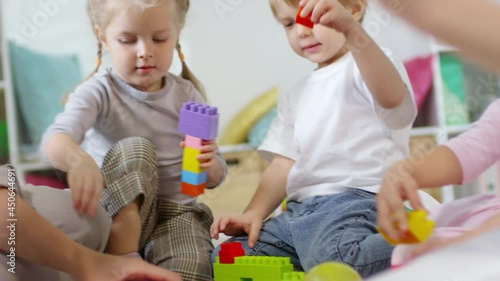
<point x="141" y="44"/>
<point x="321" y="45"/>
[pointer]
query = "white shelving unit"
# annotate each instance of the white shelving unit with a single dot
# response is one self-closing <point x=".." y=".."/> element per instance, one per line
<point x="437" y="119"/>
<point x="16" y="158"/>
<point x="436" y="126"/>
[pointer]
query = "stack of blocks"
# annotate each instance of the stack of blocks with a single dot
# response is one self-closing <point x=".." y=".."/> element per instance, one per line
<point x="233" y="265"/>
<point x="198" y="122"/>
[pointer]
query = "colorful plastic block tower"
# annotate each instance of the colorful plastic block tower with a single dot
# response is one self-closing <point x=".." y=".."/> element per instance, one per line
<point x="419" y="229"/>
<point x="233" y="265"/>
<point x="198" y="122"/>
<point x="304" y="21"/>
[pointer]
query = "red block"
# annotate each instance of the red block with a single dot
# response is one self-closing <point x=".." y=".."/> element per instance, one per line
<point x="230" y="250"/>
<point x="304" y="21"/>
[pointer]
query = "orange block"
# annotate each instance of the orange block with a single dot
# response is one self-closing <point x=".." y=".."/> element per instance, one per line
<point x="192" y="190"/>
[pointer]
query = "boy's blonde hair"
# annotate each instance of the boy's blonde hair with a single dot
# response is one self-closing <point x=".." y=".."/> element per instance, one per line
<point x="101" y="13"/>
<point x="274" y="3"/>
<point x="295" y="3"/>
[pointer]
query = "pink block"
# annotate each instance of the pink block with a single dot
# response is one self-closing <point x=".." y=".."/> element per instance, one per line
<point x="193" y="142"/>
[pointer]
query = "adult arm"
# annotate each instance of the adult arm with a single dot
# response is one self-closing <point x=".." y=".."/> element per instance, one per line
<point x="81" y="263"/>
<point x="470" y="25"/>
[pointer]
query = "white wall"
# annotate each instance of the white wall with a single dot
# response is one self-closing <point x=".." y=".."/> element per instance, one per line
<point x="235" y="47"/>
<point x="53" y="26"/>
<point x="239" y="53"/>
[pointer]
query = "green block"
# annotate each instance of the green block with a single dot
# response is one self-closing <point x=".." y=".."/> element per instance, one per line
<point x="253" y="268"/>
<point x="294" y="276"/>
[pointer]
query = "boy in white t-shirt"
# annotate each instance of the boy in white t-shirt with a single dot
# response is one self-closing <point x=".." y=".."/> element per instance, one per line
<point x="333" y="138"/>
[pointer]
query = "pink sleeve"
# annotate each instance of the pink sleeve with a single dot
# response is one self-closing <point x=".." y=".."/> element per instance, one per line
<point x="478" y="148"/>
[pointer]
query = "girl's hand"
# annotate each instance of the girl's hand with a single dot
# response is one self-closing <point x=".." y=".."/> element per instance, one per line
<point x="398" y="185"/>
<point x="207" y="155"/>
<point x="330" y="13"/>
<point x="208" y="152"/>
<point x="86" y="183"/>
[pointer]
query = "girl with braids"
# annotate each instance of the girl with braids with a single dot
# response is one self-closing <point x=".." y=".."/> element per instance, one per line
<point x="126" y="119"/>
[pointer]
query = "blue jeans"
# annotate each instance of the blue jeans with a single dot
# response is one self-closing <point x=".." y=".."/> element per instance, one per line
<point x="339" y="227"/>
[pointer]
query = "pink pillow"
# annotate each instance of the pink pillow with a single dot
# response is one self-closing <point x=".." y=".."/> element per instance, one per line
<point x="420" y="73"/>
<point x="35" y="179"/>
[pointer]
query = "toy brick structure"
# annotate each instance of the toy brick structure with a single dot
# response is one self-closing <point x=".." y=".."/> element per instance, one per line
<point x="197" y="122"/>
<point x="419" y="229"/>
<point x="233" y="265"/>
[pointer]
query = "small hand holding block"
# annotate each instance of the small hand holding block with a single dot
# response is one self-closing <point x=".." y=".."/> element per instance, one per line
<point x="304" y="21"/>
<point x="419" y="229"/>
<point x="197" y="122"/>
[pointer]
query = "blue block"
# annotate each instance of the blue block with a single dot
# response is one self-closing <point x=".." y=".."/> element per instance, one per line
<point x="193" y="178"/>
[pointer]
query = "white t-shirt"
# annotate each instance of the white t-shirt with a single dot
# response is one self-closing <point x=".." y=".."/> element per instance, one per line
<point x="338" y="136"/>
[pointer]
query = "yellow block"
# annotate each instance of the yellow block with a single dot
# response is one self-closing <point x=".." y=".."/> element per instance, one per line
<point x="419" y="229"/>
<point x="189" y="161"/>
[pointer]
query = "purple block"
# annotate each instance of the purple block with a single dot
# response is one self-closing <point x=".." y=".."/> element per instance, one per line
<point x="199" y="120"/>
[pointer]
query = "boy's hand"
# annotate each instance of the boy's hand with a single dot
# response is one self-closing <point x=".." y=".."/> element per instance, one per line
<point x="86" y="183"/>
<point x="330" y="13"/>
<point x="246" y="223"/>
<point x="396" y="187"/>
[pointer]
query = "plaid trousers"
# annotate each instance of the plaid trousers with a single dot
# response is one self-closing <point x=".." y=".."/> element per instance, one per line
<point x="173" y="236"/>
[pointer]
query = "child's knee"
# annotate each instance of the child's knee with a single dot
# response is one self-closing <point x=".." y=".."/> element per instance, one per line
<point x="368" y="256"/>
<point x="131" y="163"/>
<point x="133" y="153"/>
